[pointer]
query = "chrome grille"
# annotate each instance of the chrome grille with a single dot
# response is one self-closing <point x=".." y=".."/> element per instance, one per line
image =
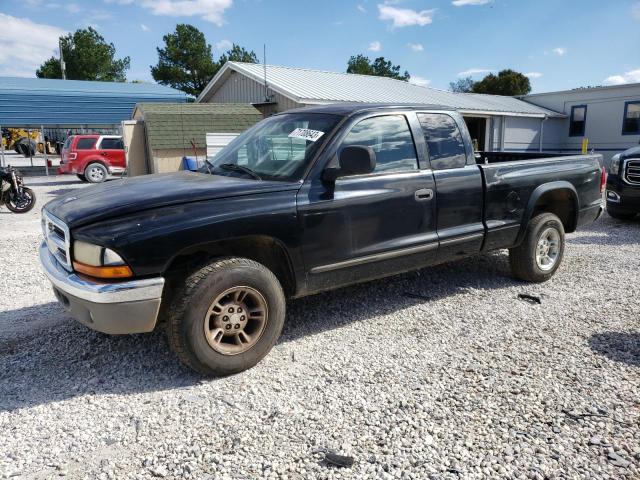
<point x="58" y="239"/>
<point x="632" y="172"/>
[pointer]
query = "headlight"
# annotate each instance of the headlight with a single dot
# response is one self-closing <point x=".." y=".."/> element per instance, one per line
<point x="614" y="168"/>
<point x="99" y="262"/>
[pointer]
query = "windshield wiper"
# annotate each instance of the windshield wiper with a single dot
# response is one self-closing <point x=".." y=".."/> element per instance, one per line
<point x="240" y="168"/>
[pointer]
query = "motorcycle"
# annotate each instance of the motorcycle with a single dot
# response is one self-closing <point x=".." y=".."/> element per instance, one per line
<point x="13" y="193"/>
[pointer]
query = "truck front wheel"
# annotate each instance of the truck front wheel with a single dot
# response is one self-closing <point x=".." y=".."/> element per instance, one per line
<point x="539" y="255"/>
<point x="227" y="317"/>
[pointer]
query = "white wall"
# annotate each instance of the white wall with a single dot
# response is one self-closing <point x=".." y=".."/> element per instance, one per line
<point x="605" y="110"/>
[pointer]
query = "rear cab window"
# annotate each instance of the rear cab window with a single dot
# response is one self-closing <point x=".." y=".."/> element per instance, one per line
<point x="444" y="141"/>
<point x="67" y="142"/>
<point x="111" y="144"/>
<point x="85" y="143"/>
<point x="390" y="138"/>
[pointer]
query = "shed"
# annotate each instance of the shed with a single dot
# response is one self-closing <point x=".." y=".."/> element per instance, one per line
<point x="172" y="131"/>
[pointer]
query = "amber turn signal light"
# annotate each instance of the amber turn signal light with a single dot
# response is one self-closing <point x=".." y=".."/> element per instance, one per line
<point x="120" y="271"/>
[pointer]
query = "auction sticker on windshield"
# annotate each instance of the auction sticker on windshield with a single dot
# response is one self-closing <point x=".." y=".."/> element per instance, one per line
<point x="306" y="133"/>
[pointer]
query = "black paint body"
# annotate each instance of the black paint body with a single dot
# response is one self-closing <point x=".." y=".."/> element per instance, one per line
<point x="336" y="233"/>
<point x="626" y="187"/>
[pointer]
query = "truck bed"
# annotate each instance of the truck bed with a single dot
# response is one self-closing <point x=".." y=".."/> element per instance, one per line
<point x="501" y="157"/>
<point x="514" y="187"/>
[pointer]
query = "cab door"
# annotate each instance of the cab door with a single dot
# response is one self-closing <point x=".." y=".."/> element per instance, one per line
<point x="367" y="226"/>
<point x="459" y="184"/>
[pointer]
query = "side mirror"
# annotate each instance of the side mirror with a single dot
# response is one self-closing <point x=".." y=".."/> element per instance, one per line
<point x="353" y="160"/>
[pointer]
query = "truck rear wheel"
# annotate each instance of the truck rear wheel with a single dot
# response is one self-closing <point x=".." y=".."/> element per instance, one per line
<point x="539" y="255"/>
<point x="227" y="317"/>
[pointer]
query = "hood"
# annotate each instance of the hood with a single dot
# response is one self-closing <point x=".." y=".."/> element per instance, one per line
<point x="120" y="197"/>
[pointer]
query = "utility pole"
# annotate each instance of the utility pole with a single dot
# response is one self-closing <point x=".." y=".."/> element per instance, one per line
<point x="62" y="66"/>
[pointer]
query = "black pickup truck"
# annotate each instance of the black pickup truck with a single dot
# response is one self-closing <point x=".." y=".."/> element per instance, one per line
<point x="304" y="201"/>
<point x="623" y="185"/>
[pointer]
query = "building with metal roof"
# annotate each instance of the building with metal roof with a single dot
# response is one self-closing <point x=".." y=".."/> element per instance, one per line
<point x="495" y="122"/>
<point x="36" y="102"/>
<point x="312" y="87"/>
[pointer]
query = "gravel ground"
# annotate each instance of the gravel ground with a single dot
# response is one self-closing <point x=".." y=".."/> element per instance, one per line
<point x="442" y="374"/>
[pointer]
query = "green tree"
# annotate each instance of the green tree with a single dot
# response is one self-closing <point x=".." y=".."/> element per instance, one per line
<point x="237" y="54"/>
<point x="186" y="61"/>
<point x="380" y="67"/>
<point x="507" y="82"/>
<point x="462" y="85"/>
<point x="87" y="56"/>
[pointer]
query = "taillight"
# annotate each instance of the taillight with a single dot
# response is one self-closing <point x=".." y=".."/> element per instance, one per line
<point x="72" y="156"/>
<point x="603" y="179"/>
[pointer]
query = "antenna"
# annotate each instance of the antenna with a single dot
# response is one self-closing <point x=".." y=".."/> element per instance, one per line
<point x="264" y="64"/>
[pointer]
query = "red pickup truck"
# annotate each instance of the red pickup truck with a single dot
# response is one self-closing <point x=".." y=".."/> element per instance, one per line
<point x="93" y="157"/>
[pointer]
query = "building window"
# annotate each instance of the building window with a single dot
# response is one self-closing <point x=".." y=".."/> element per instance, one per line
<point x="577" y="121"/>
<point x="631" y="119"/>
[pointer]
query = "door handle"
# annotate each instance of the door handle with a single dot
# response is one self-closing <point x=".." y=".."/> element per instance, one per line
<point x="423" y="194"/>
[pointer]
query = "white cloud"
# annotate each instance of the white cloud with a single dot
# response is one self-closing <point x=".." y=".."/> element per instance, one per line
<point x="223" y="44"/>
<point x="560" y="51"/>
<point x="375" y="46"/>
<point x="209" y="10"/>
<point x="632" y="76"/>
<point x="405" y="17"/>
<point x="144" y="28"/>
<point x="462" y="3"/>
<point x="73" y="8"/>
<point x="533" y="74"/>
<point x="416" y="47"/>
<point x="25" y="45"/>
<point x="474" y="71"/>
<point x="635" y="10"/>
<point x="361" y="8"/>
<point x="420" y="81"/>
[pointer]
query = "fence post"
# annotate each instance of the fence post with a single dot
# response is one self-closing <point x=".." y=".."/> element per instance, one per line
<point x="2" y="163"/>
<point x="46" y="156"/>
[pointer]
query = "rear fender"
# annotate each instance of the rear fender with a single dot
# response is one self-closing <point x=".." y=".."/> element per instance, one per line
<point x="561" y="186"/>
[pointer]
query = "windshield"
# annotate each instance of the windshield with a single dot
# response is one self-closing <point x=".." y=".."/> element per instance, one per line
<point x="277" y="148"/>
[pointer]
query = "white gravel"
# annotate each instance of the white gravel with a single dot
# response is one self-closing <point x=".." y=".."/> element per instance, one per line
<point x="468" y="382"/>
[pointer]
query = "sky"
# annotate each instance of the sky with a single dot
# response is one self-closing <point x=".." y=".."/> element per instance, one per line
<point x="558" y="44"/>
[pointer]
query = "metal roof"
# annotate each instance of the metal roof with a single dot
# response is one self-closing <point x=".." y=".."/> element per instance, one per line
<point x="31" y="102"/>
<point x="316" y="87"/>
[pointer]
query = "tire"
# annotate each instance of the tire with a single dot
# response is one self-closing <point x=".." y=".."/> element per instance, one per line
<point x="81" y="177"/>
<point x="25" y="204"/>
<point x="619" y="215"/>
<point x="204" y="334"/>
<point x="523" y="259"/>
<point x="95" y="173"/>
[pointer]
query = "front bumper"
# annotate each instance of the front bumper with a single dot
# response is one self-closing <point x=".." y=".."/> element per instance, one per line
<point x="621" y="196"/>
<point x="116" y="308"/>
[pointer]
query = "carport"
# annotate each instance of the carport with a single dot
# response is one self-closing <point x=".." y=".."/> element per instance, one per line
<point x="59" y="108"/>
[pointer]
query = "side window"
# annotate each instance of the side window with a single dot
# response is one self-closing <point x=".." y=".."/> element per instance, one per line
<point x="577" y="121"/>
<point x="631" y="121"/>
<point x="390" y="138"/>
<point x="85" y="143"/>
<point x="111" y="144"/>
<point x="444" y="140"/>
